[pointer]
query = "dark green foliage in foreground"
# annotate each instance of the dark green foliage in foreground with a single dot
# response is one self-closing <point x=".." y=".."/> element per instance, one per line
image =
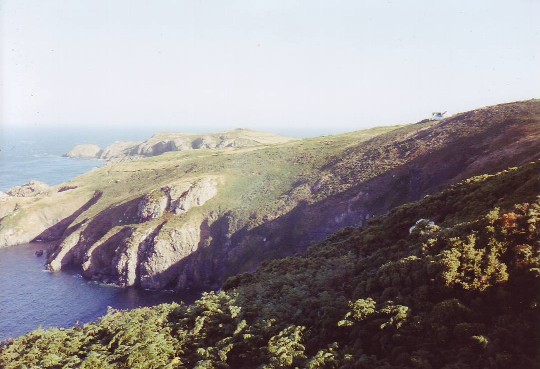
<point x="460" y="293"/>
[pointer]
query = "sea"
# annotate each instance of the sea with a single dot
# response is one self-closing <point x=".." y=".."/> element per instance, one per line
<point x="30" y="296"/>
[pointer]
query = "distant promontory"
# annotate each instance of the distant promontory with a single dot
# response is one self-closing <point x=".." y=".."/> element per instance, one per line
<point x="165" y="142"/>
<point x="85" y="151"/>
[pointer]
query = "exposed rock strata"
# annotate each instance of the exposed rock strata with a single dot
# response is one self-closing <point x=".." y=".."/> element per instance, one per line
<point x="153" y="205"/>
<point x="196" y="195"/>
<point x="144" y="254"/>
<point x="118" y="150"/>
<point x="65" y="253"/>
<point x="159" y="264"/>
<point x="178" y="199"/>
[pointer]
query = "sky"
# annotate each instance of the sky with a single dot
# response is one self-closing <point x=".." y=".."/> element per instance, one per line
<point x="301" y="68"/>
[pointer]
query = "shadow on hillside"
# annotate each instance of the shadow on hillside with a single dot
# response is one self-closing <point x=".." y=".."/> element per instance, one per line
<point x="116" y="215"/>
<point x="58" y="230"/>
<point x="461" y="157"/>
<point x="94" y="229"/>
<point x="416" y="164"/>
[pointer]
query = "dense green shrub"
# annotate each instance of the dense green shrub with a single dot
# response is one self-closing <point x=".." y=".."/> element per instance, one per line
<point x="462" y="293"/>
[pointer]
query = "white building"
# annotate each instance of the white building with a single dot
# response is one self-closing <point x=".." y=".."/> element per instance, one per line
<point x="437" y="115"/>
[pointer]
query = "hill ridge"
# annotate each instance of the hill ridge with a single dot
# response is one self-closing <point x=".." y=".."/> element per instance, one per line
<point x="123" y="225"/>
<point x="163" y="142"/>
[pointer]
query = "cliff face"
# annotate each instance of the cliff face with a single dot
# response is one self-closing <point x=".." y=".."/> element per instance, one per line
<point x="192" y="218"/>
<point x="146" y="251"/>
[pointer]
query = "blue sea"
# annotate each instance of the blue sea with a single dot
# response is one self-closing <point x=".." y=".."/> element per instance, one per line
<point x="36" y="154"/>
<point x="30" y="296"/>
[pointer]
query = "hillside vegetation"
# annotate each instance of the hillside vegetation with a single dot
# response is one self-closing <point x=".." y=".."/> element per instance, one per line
<point x="457" y="289"/>
<point x="190" y="219"/>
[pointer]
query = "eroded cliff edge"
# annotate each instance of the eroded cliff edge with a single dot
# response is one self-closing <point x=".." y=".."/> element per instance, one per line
<point x="190" y="219"/>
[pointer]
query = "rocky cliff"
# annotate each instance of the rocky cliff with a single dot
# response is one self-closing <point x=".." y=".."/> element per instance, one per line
<point x="144" y="251"/>
<point x="192" y="218"/>
<point x="167" y="142"/>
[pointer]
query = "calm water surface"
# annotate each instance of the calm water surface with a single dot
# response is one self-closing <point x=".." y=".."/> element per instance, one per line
<point x="27" y="154"/>
<point x="32" y="297"/>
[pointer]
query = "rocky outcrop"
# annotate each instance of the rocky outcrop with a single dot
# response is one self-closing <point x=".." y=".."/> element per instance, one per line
<point x="31" y="189"/>
<point x="421" y="224"/>
<point x="85" y="151"/>
<point x="130" y="254"/>
<point x="119" y="150"/>
<point x="161" y="258"/>
<point x="153" y="205"/>
<point x="146" y="253"/>
<point x="66" y="252"/>
<point x="178" y="199"/>
<point x="156" y="146"/>
<point x="196" y="195"/>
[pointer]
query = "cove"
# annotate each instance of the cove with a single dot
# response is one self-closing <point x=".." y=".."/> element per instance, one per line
<point x="31" y="297"/>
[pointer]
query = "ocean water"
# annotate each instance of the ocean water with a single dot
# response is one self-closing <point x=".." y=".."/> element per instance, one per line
<point x="29" y="295"/>
<point x="36" y="154"/>
<point x="27" y="155"/>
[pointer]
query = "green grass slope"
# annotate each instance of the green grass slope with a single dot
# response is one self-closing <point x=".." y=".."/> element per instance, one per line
<point x="460" y="290"/>
<point x="271" y="201"/>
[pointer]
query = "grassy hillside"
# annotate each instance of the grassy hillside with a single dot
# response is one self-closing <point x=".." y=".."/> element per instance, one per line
<point x="264" y="202"/>
<point x="459" y="290"/>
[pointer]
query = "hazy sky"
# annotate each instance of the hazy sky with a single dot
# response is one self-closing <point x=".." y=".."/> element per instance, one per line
<point x="285" y="66"/>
